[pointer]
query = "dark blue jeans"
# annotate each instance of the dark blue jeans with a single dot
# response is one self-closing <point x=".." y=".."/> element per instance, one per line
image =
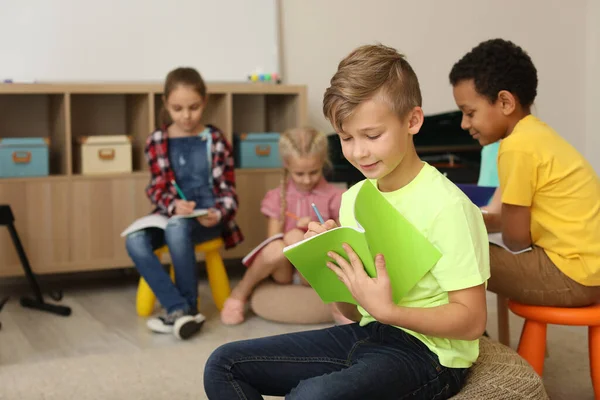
<point x="342" y="362"/>
<point x="181" y="236"/>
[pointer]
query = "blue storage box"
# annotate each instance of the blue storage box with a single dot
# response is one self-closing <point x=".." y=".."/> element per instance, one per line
<point x="23" y="157"/>
<point x="258" y="150"/>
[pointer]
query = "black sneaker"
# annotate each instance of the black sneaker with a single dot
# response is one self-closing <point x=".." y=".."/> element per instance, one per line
<point x="188" y="325"/>
<point x="164" y="324"/>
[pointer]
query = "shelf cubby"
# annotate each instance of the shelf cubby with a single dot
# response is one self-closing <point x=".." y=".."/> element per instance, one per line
<point x="38" y="115"/>
<point x="266" y="112"/>
<point x="111" y="114"/>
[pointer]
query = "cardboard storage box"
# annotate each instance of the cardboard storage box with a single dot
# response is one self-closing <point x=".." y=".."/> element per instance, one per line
<point x="105" y="154"/>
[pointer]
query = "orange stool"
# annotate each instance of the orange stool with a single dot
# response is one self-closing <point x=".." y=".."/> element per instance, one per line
<point x="532" y="346"/>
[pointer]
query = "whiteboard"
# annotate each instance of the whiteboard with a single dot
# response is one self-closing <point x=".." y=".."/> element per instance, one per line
<point x="136" y="40"/>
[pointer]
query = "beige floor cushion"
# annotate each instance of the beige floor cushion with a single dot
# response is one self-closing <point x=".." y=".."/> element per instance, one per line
<point x="292" y="304"/>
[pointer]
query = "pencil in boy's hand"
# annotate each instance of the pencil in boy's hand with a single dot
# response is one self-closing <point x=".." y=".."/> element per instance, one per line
<point x="292" y="215"/>
<point x="321" y="220"/>
<point x="178" y="190"/>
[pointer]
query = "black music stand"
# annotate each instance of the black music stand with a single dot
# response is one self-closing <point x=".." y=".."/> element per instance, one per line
<point x="37" y="302"/>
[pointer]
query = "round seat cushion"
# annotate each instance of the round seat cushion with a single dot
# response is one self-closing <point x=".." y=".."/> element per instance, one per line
<point x="292" y="304"/>
<point x="501" y="374"/>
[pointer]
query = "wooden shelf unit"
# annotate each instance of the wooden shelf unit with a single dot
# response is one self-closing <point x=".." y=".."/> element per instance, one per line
<point x="70" y="222"/>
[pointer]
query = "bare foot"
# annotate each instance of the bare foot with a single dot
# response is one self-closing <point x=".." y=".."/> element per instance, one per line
<point x="233" y="311"/>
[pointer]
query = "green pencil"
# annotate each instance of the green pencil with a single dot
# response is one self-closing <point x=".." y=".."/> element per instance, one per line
<point x="178" y="190"/>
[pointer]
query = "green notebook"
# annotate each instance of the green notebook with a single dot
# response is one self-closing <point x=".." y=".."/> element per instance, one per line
<point x="382" y="229"/>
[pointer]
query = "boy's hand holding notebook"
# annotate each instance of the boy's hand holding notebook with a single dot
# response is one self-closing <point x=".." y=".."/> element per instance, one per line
<point x="381" y="229"/>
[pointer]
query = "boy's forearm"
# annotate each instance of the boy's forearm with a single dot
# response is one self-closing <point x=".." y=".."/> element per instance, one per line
<point x="350" y="311"/>
<point x="493" y="222"/>
<point x="495" y="205"/>
<point x="452" y="321"/>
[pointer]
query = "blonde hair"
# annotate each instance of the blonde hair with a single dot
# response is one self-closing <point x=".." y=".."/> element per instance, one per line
<point x="296" y="143"/>
<point x="369" y="71"/>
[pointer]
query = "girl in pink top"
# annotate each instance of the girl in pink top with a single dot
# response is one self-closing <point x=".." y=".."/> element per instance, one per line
<point x="297" y="204"/>
<point x="304" y="154"/>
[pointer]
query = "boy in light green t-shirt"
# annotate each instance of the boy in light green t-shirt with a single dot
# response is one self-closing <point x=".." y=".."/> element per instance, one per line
<point x="453" y="224"/>
<point x="420" y="348"/>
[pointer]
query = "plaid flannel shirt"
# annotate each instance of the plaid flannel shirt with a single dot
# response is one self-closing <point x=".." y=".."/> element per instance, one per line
<point x="162" y="193"/>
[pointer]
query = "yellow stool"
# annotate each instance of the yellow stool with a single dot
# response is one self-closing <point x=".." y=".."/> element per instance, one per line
<point x="217" y="277"/>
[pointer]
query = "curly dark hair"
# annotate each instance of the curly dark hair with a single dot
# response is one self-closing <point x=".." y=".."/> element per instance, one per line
<point x="496" y="65"/>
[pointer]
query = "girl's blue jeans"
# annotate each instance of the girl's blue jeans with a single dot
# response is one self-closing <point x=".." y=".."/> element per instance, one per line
<point x="342" y="362"/>
<point x="181" y="236"/>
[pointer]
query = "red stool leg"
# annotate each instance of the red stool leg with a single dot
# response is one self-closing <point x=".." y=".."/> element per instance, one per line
<point x="594" y="348"/>
<point x="532" y="346"/>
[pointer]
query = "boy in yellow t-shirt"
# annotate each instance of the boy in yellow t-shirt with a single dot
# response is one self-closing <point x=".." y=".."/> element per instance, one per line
<point x="550" y="193"/>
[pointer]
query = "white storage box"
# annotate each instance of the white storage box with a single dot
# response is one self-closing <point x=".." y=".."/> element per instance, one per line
<point x="105" y="154"/>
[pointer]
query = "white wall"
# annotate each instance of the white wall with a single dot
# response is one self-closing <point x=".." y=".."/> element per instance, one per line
<point x="433" y="34"/>
<point x="592" y="77"/>
<point x="136" y="40"/>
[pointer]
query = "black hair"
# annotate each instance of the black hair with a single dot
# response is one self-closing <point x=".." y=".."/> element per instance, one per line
<point x="496" y="65"/>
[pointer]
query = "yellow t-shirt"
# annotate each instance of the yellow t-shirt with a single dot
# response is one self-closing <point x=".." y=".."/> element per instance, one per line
<point x="541" y="170"/>
<point x="452" y="223"/>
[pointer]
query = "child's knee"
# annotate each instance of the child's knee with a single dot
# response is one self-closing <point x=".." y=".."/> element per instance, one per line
<point x="137" y="243"/>
<point x="221" y="359"/>
<point x="178" y="229"/>
<point x="272" y="257"/>
<point x="293" y="236"/>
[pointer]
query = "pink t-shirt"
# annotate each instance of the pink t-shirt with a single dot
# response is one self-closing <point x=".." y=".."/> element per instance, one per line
<point x="326" y="197"/>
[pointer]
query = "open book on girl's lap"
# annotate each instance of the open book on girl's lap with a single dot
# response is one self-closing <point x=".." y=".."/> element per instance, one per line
<point x="381" y="229"/>
<point x="158" y="221"/>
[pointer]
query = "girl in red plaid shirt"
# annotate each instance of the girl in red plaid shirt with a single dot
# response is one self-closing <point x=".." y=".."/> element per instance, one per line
<point x="197" y="158"/>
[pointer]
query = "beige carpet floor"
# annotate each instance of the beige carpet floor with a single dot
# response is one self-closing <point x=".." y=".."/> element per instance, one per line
<point x="103" y="351"/>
